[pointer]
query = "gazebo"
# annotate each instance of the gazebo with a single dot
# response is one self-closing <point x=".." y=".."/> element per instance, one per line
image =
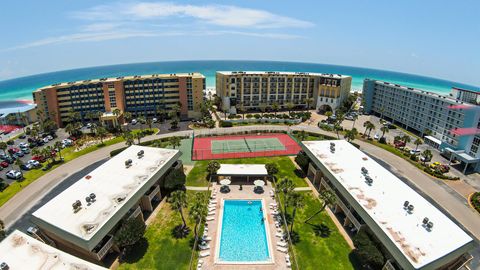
<point x="242" y="172"/>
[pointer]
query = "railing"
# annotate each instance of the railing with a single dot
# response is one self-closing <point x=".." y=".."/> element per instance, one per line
<point x="135" y="213"/>
<point x="345" y="209"/>
<point x="388" y="266"/>
<point x="103" y="251"/>
<point x="153" y="193"/>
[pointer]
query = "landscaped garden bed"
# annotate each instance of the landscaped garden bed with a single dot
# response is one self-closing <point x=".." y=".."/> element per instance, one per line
<point x="475" y="201"/>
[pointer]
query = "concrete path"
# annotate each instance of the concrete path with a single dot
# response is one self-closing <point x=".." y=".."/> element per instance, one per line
<point x="196" y="188"/>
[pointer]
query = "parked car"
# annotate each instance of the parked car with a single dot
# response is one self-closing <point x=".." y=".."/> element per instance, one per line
<point x="19" y="154"/>
<point x="25" y="150"/>
<point x="39" y="158"/>
<point x="4" y="164"/>
<point x="73" y="138"/>
<point x="423" y="159"/>
<point x="23" y="136"/>
<point x="45" y="140"/>
<point x="10" y="142"/>
<point x="14" y="174"/>
<point x="376" y="136"/>
<point x="49" y="137"/>
<point x="23" y="145"/>
<point x="26" y="167"/>
<point x="154" y="120"/>
<point x="399" y="144"/>
<point x="9" y="160"/>
<point x="13" y="150"/>
<point x="414" y="152"/>
<point x="134" y="121"/>
<point x="89" y="125"/>
<point x="34" y="163"/>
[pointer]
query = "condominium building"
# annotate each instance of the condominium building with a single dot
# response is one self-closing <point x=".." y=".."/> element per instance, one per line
<point x="139" y="95"/>
<point x="415" y="234"/>
<point x="450" y="122"/>
<point x="84" y="218"/>
<point x="20" y="251"/>
<point x="252" y="88"/>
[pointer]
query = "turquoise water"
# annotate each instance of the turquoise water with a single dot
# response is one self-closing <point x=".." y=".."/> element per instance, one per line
<point x="21" y="88"/>
<point x="243" y="238"/>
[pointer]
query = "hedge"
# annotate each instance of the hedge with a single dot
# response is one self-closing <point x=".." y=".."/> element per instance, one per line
<point x="226" y="124"/>
<point x="117" y="151"/>
<point x="475" y="201"/>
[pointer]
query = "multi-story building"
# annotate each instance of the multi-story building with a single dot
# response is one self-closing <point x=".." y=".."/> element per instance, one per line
<point x="451" y="122"/>
<point x="20" y="251"/>
<point x="252" y="88"/>
<point x="83" y="218"/>
<point x="139" y="95"/>
<point x="414" y="233"/>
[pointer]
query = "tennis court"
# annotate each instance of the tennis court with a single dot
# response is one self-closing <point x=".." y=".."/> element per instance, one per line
<point x="242" y="146"/>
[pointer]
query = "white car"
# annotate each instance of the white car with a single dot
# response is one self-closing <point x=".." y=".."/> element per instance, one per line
<point x="23" y="145"/>
<point x="414" y="152"/>
<point x="376" y="137"/>
<point x="50" y="137"/>
<point x="14" y="174"/>
<point x="89" y="125"/>
<point x="154" y="120"/>
<point x="67" y="142"/>
<point x="45" y="140"/>
<point x="134" y="121"/>
<point x="34" y="163"/>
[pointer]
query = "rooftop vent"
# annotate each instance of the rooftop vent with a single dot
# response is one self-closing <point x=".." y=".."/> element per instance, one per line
<point x="140" y="153"/>
<point x="77" y="205"/>
<point x="410" y="208"/>
<point x="128" y="163"/>
<point x="364" y="170"/>
<point x="369" y="180"/>
<point x="429" y="225"/>
<point x="405" y="204"/>
<point x="4" y="266"/>
<point x="425" y="220"/>
<point x="90" y="198"/>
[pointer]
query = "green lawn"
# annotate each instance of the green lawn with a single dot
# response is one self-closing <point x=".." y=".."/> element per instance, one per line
<point x="164" y="251"/>
<point x="198" y="175"/>
<point x="316" y="252"/>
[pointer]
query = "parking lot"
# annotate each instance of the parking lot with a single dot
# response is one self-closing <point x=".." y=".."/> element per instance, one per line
<point x="28" y="156"/>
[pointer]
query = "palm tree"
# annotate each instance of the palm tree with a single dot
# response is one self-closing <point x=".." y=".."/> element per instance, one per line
<point x="69" y="128"/>
<point x="427" y="155"/>
<point x="3" y="147"/>
<point x="302" y="135"/>
<point x="116" y="112"/>
<point x="328" y="114"/>
<point x="90" y="116"/>
<point x="58" y="145"/>
<point x="370" y="127"/>
<point x="290" y="106"/>
<point x="285" y="186"/>
<point x="127" y="116"/>
<point x="241" y="109"/>
<point x="417" y="142"/>
<point x="178" y="201"/>
<point x="174" y="123"/>
<point x="212" y="167"/>
<point x="337" y="127"/>
<point x="128" y="137"/>
<point x="296" y="200"/>
<point x="101" y="133"/>
<point x="19" y="163"/>
<point x="141" y="119"/>
<point x="175" y="141"/>
<point x="198" y="210"/>
<point x="275" y="108"/>
<point x="384" y="130"/>
<point x="272" y="169"/>
<point x="355" y="117"/>
<point x="263" y="107"/>
<point x="138" y="136"/>
<point x="406" y="139"/>
<point x="328" y="198"/>
<point x="365" y="125"/>
<point x="350" y="135"/>
<point x="149" y="123"/>
<point x="308" y="102"/>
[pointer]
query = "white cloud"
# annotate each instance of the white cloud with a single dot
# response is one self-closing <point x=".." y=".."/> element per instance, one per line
<point x="219" y="15"/>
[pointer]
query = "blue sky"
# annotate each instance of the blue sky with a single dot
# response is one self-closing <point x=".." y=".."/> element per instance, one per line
<point x="433" y="38"/>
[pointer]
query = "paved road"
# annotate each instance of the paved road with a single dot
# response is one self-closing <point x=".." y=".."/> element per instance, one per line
<point x="440" y="194"/>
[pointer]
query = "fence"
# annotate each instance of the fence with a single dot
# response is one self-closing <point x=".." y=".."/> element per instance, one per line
<point x="240" y="131"/>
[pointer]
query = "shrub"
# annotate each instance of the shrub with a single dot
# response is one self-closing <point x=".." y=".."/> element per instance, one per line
<point x="367" y="252"/>
<point x="302" y="160"/>
<point x="325" y="127"/>
<point x="226" y="124"/>
<point x="174" y="179"/>
<point x="257" y="116"/>
<point x="475" y="201"/>
<point x="382" y="140"/>
<point x="3" y="185"/>
<point x="414" y="157"/>
<point x="117" y="151"/>
<point x="249" y="116"/>
<point x="231" y="116"/>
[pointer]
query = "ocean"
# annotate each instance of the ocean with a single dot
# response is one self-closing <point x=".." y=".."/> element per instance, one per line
<point x="15" y="92"/>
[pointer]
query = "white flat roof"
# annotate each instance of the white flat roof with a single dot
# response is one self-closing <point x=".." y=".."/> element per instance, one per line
<point x="273" y="73"/>
<point x="20" y="251"/>
<point x="383" y="202"/>
<point x="242" y="169"/>
<point x="113" y="184"/>
<point x="433" y="139"/>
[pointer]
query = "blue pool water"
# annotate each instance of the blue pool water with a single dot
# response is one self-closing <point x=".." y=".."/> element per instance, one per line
<point x="244" y="237"/>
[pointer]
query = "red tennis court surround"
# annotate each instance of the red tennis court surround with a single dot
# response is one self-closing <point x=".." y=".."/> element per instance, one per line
<point x="202" y="146"/>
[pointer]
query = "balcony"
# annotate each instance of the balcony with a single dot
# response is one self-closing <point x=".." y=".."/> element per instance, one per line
<point x="155" y="190"/>
<point x="103" y="247"/>
<point x="134" y="213"/>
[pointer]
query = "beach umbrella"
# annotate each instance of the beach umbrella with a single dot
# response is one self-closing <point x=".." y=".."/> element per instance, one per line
<point x="259" y="183"/>
<point x="226" y="182"/>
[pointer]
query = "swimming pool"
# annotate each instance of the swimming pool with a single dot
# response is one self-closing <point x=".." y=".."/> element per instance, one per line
<point x="243" y="237"/>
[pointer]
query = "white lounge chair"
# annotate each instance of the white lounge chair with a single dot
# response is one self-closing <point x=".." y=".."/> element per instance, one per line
<point x="280" y="235"/>
<point x="204" y="247"/>
<point x="207" y="238"/>
<point x="210" y="218"/>
<point x="282" y="244"/>
<point x="281" y="249"/>
<point x="287" y="261"/>
<point x="212" y="209"/>
<point x="204" y="254"/>
<point x="273" y="204"/>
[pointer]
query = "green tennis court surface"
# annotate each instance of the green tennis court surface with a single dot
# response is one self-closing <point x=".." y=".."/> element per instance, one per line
<point x="246" y="145"/>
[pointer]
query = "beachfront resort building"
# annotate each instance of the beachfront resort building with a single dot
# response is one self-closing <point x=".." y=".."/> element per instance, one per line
<point x="324" y="92"/>
<point x="140" y="95"/>
<point x="83" y="219"/>
<point x="450" y="122"/>
<point x="415" y="233"/>
<point x="20" y="251"/>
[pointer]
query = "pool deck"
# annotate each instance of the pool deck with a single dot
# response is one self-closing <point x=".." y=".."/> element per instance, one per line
<point x="245" y="194"/>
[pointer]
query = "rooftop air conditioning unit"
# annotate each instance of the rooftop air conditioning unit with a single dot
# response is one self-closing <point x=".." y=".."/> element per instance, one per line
<point x="92" y="196"/>
<point x="364" y="170"/>
<point x="410" y="208"/>
<point x="140" y="153"/>
<point x="425" y="221"/>
<point x="4" y="266"/>
<point x="128" y="163"/>
<point x="369" y="179"/>
<point x="77" y="205"/>
<point x="429" y="225"/>
<point x="405" y="204"/>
